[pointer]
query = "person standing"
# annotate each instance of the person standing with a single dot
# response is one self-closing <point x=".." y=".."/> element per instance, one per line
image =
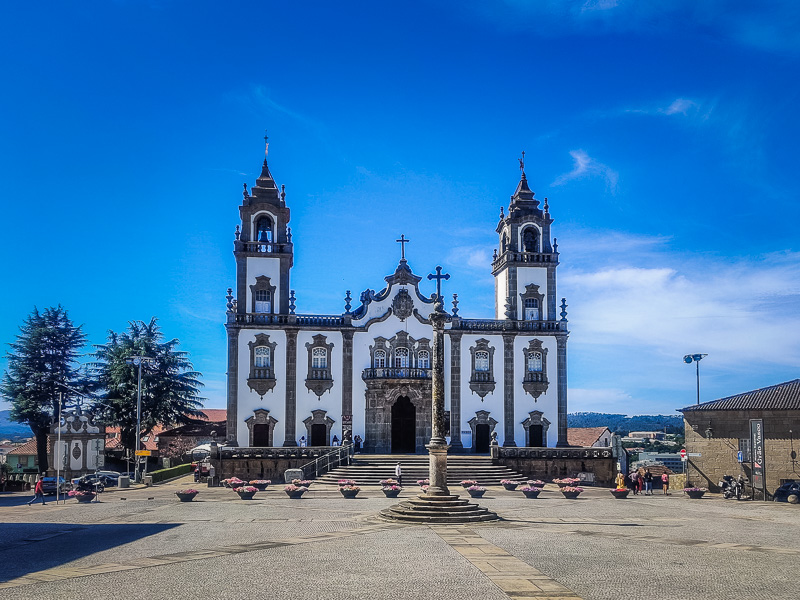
<point x="303" y="441"/>
<point x="398" y="474"/>
<point x="648" y="483"/>
<point x="635" y="482"/>
<point x="620" y="480"/>
<point x="665" y="482"/>
<point x="357" y="441"/>
<point x="38" y="492"/>
<point x="335" y="441"/>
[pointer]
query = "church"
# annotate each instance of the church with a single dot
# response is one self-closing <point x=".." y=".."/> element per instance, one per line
<point x="367" y="371"/>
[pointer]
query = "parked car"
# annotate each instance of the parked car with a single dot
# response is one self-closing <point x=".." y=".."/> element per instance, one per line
<point x="90" y="479"/>
<point x="49" y="485"/>
<point x="788" y="489"/>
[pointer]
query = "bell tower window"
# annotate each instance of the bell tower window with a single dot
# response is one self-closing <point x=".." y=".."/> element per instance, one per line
<point x="263" y="301"/>
<point x="532" y="301"/>
<point x="262" y="293"/>
<point x="531" y="309"/>
<point x="530" y="240"/>
<point x="264" y="229"/>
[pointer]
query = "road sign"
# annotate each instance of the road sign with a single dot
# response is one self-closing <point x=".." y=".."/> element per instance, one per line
<point x="101" y="460"/>
<point x="143" y="453"/>
<point x="684" y="458"/>
<point x="683" y="452"/>
<point x="695" y="454"/>
<point x="740" y="456"/>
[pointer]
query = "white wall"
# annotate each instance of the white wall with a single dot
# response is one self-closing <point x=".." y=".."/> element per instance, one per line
<point x="527" y="276"/>
<point x="275" y="400"/>
<point x="270" y="267"/>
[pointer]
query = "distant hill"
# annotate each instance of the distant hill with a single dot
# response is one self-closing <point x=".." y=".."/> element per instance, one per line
<point x="10" y="429"/>
<point x="624" y="424"/>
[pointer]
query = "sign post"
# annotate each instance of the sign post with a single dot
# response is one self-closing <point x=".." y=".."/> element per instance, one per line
<point x="757" y="456"/>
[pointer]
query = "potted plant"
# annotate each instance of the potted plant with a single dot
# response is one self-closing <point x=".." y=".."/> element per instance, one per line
<point x="423" y="482"/>
<point x="349" y="491"/>
<point x="566" y="482"/>
<point x="246" y="492"/>
<point x="83" y="497"/>
<point x="346" y="482"/>
<point x="476" y="491"/>
<point x="260" y="484"/>
<point x="509" y="484"/>
<point x="390" y="481"/>
<point x="468" y="483"/>
<point x="295" y="491"/>
<point x="391" y="491"/>
<point x="571" y="492"/>
<point x="535" y="483"/>
<point x="301" y="483"/>
<point x="233" y="482"/>
<point x="620" y="493"/>
<point x="695" y="493"/>
<point x="186" y="495"/>
<point x="530" y="491"/>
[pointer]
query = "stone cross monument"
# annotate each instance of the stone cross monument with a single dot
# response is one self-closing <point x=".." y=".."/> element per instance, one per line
<point x="438" y="444"/>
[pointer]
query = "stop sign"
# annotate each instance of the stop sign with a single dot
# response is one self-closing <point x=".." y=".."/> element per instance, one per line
<point x="683" y="452"/>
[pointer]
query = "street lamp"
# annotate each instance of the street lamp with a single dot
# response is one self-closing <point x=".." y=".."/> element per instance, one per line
<point x="137" y="361"/>
<point x="696" y="358"/>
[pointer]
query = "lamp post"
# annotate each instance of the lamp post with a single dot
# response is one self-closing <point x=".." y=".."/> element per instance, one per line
<point x="696" y="358"/>
<point x="137" y="361"/>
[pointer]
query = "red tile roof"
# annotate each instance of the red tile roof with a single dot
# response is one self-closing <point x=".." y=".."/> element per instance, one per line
<point x="215" y="415"/>
<point x="584" y="436"/>
<point x="28" y="448"/>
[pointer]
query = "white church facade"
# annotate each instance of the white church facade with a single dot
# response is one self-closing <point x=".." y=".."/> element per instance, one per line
<point x="368" y="370"/>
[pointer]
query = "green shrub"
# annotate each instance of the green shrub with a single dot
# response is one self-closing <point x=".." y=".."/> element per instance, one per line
<point x="164" y="474"/>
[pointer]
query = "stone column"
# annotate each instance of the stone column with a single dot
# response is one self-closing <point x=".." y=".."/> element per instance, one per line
<point x="233" y="387"/>
<point x="438" y="444"/>
<point x="455" y="392"/>
<point x="508" y="390"/>
<point x="347" y="377"/>
<point x="291" y="388"/>
<point x="561" y="368"/>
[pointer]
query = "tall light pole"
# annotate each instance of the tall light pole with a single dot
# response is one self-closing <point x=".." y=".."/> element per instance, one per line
<point x="137" y="361"/>
<point x="696" y="358"/>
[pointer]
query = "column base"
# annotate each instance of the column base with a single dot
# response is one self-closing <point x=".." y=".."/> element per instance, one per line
<point x="290" y="444"/>
<point x="510" y="444"/>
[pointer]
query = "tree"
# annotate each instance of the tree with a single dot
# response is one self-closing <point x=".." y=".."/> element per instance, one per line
<point x="170" y="386"/>
<point x="45" y="354"/>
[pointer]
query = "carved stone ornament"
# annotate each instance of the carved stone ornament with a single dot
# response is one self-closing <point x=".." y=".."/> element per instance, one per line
<point x="261" y="386"/>
<point x="403" y="305"/>
<point x="535" y="383"/>
<point x="76" y="452"/>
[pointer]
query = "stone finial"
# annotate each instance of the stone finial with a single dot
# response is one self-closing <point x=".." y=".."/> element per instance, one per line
<point x="283" y="194"/>
<point x="509" y="308"/>
<point x="455" y="305"/>
<point x="245" y="194"/>
<point x="288" y="234"/>
<point x="502" y="214"/>
<point x="555" y="244"/>
<point x="291" y="302"/>
<point x="238" y="233"/>
<point x="229" y="298"/>
<point x="564" y="309"/>
<point x="546" y="205"/>
<point x="347" y="305"/>
<point x="494" y="256"/>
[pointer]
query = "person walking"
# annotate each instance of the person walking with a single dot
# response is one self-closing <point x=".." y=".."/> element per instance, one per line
<point x="635" y="482"/>
<point x="38" y="492"/>
<point x="357" y="441"/>
<point x="665" y="482"/>
<point x="648" y="483"/>
<point x="398" y="474"/>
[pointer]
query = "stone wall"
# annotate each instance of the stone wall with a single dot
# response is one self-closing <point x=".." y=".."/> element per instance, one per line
<point x="264" y="463"/>
<point x="550" y="463"/>
<point x="715" y="435"/>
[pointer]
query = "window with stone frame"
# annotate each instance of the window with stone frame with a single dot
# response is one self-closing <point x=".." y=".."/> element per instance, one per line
<point x="262" y="293"/>
<point x="401" y="358"/>
<point x="532" y="301"/>
<point x="261" y="378"/>
<point x="379" y="359"/>
<point x="530" y="239"/>
<point x="535" y="380"/>
<point x="481" y="381"/>
<point x="423" y="359"/>
<point x="319" y="378"/>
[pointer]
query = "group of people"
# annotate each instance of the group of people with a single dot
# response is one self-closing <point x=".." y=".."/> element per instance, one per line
<point x="641" y="481"/>
<point x="357" y="441"/>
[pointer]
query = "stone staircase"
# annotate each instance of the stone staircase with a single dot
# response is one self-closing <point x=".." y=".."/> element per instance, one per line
<point x="369" y="469"/>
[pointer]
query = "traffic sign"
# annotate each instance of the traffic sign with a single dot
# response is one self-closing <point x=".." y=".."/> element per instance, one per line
<point x="143" y="453"/>
<point x="695" y="454"/>
<point x="683" y="452"/>
<point x="740" y="456"/>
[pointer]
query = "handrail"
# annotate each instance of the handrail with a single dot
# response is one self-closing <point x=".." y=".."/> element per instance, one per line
<point x="323" y="464"/>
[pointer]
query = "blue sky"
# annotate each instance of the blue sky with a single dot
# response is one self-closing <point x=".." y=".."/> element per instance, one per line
<point x="664" y="136"/>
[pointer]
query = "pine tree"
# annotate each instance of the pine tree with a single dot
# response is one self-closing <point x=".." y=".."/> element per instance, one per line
<point x="45" y="354"/>
<point x="170" y="386"/>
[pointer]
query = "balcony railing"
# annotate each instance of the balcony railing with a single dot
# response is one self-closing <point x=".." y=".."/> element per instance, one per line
<point x="319" y="374"/>
<point x="396" y="373"/>
<point x="262" y="373"/>
<point x="535" y="376"/>
<point x="505" y="325"/>
<point x="481" y="377"/>
<point x="263" y="247"/>
<point x="525" y="257"/>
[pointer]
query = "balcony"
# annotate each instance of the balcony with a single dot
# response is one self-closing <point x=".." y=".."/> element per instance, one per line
<point x="535" y="383"/>
<point x="506" y="325"/>
<point x="396" y="373"/>
<point x="262" y="247"/>
<point x="261" y="380"/>
<point x="481" y="383"/>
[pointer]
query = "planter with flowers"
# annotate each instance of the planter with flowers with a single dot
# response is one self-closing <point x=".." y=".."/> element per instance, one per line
<point x="571" y="492"/>
<point x="423" y="482"/>
<point x="695" y="493"/>
<point x="233" y="483"/>
<point x="391" y="491"/>
<point x="261" y="484"/>
<point x="476" y="491"/>
<point x="349" y="491"/>
<point x="530" y="491"/>
<point x="186" y="495"/>
<point x="246" y="492"/>
<point x="83" y="497"/>
<point x="468" y="483"/>
<point x="389" y="482"/>
<point x="535" y="483"/>
<point x="509" y="484"/>
<point x="567" y="482"/>
<point x="345" y="482"/>
<point x="301" y="483"/>
<point x="620" y="493"/>
<point x="295" y="491"/>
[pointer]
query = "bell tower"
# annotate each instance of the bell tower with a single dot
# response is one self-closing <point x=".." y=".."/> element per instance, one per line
<point x="263" y="250"/>
<point x="524" y="264"/>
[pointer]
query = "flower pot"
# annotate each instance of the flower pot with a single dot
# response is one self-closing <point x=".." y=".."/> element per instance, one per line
<point x="571" y="495"/>
<point x="531" y="494"/>
<point x="185" y="497"/>
<point x="478" y="494"/>
<point x="85" y="498"/>
<point x="295" y="495"/>
<point x="349" y="493"/>
<point x="510" y="486"/>
<point x="246" y="495"/>
<point x="695" y="495"/>
<point x="466" y="485"/>
<point x="391" y="493"/>
<point x="621" y="494"/>
<point x="261" y="486"/>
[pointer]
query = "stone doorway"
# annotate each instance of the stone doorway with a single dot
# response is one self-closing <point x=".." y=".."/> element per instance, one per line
<point x="404" y="426"/>
<point x="261" y="435"/>
<point x="482" y="426"/>
<point x="319" y="435"/>
<point x="537" y="436"/>
<point x="482" y="438"/>
<point x="381" y="396"/>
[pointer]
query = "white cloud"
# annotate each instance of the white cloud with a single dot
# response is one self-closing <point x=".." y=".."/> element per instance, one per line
<point x="584" y="166"/>
<point x="680" y="106"/>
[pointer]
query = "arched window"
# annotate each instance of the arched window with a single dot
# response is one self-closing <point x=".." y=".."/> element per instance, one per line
<point x="264" y="229"/>
<point x="482" y="361"/>
<point x="263" y="358"/>
<point x="531" y="309"/>
<point x="424" y="359"/>
<point x="504" y="244"/>
<point x="401" y="358"/>
<point x="534" y="362"/>
<point x="263" y="301"/>
<point x="319" y="358"/>
<point x="530" y="240"/>
<point x="380" y="359"/>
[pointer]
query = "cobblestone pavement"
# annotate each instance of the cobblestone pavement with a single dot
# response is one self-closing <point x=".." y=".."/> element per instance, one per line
<point x="146" y="544"/>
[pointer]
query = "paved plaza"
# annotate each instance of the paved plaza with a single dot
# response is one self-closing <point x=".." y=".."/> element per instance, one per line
<point x="143" y="543"/>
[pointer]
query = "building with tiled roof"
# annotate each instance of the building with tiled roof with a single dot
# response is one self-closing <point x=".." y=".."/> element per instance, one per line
<point x="587" y="437"/>
<point x="718" y="430"/>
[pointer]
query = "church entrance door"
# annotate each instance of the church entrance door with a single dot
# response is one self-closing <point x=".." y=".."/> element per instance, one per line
<point x="536" y="436"/>
<point x="261" y="435"/>
<point x="482" y="437"/>
<point x="404" y="426"/>
<point x="319" y="435"/>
